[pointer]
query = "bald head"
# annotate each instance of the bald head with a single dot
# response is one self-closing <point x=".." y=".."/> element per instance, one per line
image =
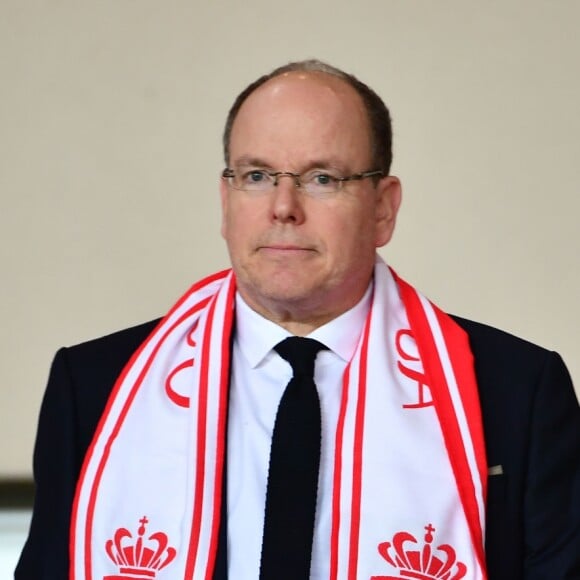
<point x="378" y="121"/>
<point x="319" y="108"/>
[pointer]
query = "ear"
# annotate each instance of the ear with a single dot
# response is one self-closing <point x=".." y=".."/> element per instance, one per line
<point x="224" y="200"/>
<point x="388" y="201"/>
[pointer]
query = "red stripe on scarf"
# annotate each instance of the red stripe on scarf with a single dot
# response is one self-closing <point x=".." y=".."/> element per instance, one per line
<point x="358" y="447"/>
<point x="201" y="444"/>
<point x="337" y="480"/>
<point x="456" y="339"/>
<point x="222" y="422"/>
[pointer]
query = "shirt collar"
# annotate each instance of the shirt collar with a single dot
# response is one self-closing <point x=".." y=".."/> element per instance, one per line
<point x="256" y="336"/>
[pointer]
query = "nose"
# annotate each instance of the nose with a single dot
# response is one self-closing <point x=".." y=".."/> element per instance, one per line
<point x="287" y="201"/>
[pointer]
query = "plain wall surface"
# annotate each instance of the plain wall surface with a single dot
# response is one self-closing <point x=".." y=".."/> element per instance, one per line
<point x="111" y="115"/>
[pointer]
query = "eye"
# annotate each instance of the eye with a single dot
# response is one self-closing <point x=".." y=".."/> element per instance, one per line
<point x="255" y="176"/>
<point x="323" y="179"/>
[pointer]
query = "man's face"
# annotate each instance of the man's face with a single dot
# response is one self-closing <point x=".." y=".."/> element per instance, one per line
<point x="301" y="261"/>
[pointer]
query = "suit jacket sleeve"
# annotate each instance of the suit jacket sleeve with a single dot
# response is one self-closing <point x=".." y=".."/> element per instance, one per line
<point x="531" y="421"/>
<point x="56" y="465"/>
<point x="552" y="494"/>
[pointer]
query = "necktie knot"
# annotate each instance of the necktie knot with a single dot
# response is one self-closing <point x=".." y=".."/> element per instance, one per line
<point x="301" y="353"/>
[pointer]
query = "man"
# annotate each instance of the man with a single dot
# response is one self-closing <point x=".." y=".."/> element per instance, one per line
<point x="445" y="448"/>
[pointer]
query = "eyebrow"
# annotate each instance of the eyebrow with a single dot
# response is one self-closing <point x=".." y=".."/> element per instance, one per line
<point x="249" y="161"/>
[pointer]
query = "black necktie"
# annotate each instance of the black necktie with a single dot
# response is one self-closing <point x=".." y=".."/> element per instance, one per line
<point x="293" y="472"/>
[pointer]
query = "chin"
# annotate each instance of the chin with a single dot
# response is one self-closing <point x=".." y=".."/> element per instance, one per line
<point x="280" y="290"/>
<point x="290" y="293"/>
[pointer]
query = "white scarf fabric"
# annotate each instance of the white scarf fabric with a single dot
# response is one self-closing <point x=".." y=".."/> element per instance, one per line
<point x="409" y="469"/>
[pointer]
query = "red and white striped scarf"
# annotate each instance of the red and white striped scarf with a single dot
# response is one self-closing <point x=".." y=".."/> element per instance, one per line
<point x="409" y="469"/>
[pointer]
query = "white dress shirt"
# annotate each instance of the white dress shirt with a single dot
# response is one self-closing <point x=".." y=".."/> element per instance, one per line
<point x="258" y="379"/>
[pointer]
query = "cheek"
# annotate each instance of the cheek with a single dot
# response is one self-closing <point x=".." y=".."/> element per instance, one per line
<point x="353" y="232"/>
<point x="343" y="242"/>
<point x="230" y="211"/>
<point x="223" y="228"/>
<point x="225" y="201"/>
<point x="240" y="223"/>
<point x="227" y="227"/>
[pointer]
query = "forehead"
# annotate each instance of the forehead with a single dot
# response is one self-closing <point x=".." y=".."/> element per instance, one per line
<point x="299" y="114"/>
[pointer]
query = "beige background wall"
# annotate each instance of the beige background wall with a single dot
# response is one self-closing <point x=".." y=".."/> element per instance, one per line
<point x="110" y="119"/>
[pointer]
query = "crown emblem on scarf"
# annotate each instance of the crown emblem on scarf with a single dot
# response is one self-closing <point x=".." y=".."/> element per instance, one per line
<point x="142" y="558"/>
<point x="420" y="562"/>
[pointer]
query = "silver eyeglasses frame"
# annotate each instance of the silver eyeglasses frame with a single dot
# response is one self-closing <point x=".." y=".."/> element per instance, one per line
<point x="335" y="185"/>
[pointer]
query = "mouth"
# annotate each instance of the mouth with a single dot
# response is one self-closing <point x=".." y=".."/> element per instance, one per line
<point x="286" y="250"/>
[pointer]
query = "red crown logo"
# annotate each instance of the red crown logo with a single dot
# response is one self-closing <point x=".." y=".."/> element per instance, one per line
<point x="421" y="563"/>
<point x="144" y="558"/>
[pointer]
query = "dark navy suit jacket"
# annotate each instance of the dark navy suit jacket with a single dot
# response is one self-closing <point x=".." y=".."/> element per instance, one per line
<point x="532" y="429"/>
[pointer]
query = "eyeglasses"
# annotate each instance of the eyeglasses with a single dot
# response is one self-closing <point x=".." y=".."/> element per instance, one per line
<point x="316" y="182"/>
